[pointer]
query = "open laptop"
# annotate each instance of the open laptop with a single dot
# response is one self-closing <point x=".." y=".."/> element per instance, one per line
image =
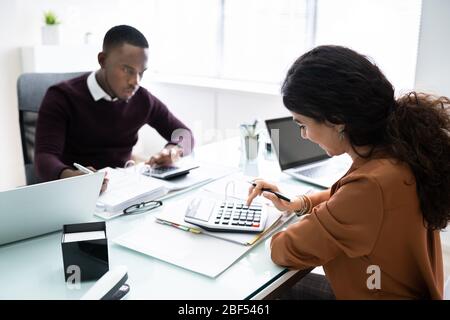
<point x="34" y="210"/>
<point x="302" y="158"/>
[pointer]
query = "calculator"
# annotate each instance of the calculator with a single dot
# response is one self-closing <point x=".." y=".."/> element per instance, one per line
<point x="169" y="172"/>
<point x="226" y="215"/>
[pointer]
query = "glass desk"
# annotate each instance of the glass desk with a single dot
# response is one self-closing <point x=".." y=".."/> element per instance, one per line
<point x="33" y="268"/>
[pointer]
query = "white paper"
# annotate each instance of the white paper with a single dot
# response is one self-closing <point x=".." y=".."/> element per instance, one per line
<point x="111" y="204"/>
<point x="196" y="252"/>
<point x="83" y="236"/>
<point x="127" y="187"/>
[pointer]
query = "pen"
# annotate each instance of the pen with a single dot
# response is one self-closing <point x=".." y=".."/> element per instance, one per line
<point x="279" y="195"/>
<point x="184" y="228"/>
<point x="82" y="168"/>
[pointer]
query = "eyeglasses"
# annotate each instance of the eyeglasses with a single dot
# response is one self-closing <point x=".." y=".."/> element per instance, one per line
<point x="142" y="207"/>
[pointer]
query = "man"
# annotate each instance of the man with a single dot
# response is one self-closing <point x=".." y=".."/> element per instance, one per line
<point x="94" y="119"/>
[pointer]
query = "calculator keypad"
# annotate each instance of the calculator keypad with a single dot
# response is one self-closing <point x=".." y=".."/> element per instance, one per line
<point x="238" y="214"/>
<point x="227" y="216"/>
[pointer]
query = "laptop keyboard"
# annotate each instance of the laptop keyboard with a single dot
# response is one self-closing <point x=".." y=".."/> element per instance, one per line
<point x="319" y="171"/>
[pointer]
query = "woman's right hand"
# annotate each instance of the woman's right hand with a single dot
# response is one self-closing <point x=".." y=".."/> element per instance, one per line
<point x="281" y="205"/>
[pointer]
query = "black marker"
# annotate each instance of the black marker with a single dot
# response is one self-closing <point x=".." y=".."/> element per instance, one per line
<point x="279" y="195"/>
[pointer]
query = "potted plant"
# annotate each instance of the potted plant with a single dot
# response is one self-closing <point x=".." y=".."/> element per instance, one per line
<point x="50" y="31"/>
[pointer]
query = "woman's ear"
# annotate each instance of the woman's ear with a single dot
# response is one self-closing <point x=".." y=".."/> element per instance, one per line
<point x="340" y="128"/>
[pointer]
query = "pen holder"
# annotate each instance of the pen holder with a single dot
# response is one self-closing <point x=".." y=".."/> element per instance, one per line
<point x="251" y="147"/>
<point x="85" y="250"/>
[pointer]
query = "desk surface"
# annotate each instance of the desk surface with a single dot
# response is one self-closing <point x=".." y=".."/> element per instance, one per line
<point x="33" y="269"/>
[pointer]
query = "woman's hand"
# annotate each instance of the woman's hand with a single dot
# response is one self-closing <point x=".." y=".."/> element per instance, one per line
<point x="281" y="205"/>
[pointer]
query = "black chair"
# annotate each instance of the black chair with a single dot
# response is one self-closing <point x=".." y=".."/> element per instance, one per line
<point x="31" y="88"/>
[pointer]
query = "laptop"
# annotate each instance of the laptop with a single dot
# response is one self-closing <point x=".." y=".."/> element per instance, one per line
<point x="34" y="210"/>
<point x="303" y="159"/>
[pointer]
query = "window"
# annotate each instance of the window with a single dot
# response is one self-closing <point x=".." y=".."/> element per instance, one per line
<point x="183" y="37"/>
<point x="262" y="38"/>
<point x="231" y="39"/>
<point x="257" y="40"/>
<point x="385" y="30"/>
<point x="254" y="40"/>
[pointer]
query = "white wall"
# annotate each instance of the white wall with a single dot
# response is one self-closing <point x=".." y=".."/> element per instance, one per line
<point x="10" y="146"/>
<point x="433" y="59"/>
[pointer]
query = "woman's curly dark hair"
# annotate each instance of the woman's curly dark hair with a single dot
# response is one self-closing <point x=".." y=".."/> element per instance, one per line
<point x="341" y="86"/>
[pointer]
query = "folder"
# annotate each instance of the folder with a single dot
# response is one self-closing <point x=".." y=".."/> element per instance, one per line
<point x="198" y="252"/>
<point x="175" y="218"/>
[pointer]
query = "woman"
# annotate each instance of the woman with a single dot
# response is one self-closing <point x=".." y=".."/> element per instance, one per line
<point x="376" y="231"/>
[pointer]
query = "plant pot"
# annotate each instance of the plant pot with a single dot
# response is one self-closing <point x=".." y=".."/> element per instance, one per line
<point x="50" y="35"/>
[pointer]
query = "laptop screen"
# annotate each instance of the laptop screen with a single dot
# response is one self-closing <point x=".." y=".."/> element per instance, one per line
<point x="292" y="150"/>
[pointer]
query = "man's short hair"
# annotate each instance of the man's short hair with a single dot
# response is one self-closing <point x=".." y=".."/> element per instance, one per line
<point x="118" y="35"/>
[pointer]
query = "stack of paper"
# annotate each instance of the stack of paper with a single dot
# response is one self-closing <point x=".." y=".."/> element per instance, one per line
<point x="126" y="188"/>
<point x="129" y="186"/>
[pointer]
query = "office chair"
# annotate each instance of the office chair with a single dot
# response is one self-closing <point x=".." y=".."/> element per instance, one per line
<point x="31" y="88"/>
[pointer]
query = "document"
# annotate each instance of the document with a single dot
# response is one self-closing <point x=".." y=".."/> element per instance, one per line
<point x="195" y="252"/>
<point x="129" y="186"/>
<point x="182" y="244"/>
<point x="174" y="216"/>
<point x="126" y="188"/>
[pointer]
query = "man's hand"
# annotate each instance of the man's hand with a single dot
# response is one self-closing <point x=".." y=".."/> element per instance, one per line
<point x="166" y="157"/>
<point x="67" y="173"/>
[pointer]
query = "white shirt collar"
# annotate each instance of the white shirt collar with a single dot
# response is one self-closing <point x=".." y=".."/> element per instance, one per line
<point x="96" y="91"/>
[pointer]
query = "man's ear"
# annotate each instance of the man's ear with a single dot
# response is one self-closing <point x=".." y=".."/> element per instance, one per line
<point x="101" y="57"/>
